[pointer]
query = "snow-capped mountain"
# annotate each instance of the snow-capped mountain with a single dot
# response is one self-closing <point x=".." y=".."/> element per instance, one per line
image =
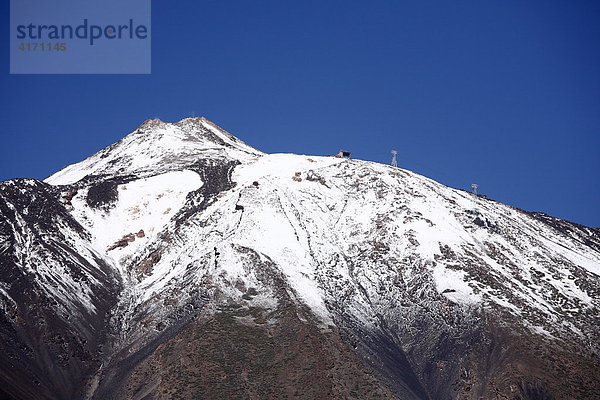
<point x="180" y="262"/>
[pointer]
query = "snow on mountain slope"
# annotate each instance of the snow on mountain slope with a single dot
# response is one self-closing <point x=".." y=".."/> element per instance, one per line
<point x="304" y="213"/>
<point x="70" y="280"/>
<point x="371" y="244"/>
<point x="336" y="206"/>
<point x="143" y="209"/>
<point x="307" y="210"/>
<point x="157" y="146"/>
<point x="421" y="280"/>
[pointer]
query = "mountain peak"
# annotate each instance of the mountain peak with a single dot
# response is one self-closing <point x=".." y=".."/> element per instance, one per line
<point x="149" y="123"/>
<point x="181" y="242"/>
<point x="157" y="147"/>
<point x="194" y="120"/>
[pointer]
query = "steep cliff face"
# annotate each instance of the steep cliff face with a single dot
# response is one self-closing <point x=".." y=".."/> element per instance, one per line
<point x="182" y="263"/>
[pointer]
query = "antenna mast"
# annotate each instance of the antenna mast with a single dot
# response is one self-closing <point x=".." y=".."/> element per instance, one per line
<point x="394" y="163"/>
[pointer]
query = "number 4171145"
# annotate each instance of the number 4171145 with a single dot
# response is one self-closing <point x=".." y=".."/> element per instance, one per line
<point x="42" y="46"/>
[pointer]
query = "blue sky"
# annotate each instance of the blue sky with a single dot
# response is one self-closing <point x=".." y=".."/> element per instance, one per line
<point x="502" y="93"/>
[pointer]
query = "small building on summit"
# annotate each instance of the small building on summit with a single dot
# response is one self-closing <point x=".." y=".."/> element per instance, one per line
<point x="343" y="154"/>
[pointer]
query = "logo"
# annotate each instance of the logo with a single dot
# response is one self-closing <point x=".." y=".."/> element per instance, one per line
<point x="93" y="32"/>
<point x="80" y="37"/>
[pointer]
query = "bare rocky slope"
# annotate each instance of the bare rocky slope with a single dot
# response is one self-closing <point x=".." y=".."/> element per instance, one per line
<point x="181" y="263"/>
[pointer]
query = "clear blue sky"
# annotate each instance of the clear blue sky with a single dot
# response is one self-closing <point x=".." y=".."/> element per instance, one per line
<point x="502" y="93"/>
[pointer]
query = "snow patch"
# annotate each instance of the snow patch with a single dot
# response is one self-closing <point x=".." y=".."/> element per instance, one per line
<point x="143" y="208"/>
<point x="453" y="284"/>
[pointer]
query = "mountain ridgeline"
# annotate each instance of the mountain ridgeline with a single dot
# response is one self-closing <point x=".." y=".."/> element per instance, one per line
<point x="181" y="263"/>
